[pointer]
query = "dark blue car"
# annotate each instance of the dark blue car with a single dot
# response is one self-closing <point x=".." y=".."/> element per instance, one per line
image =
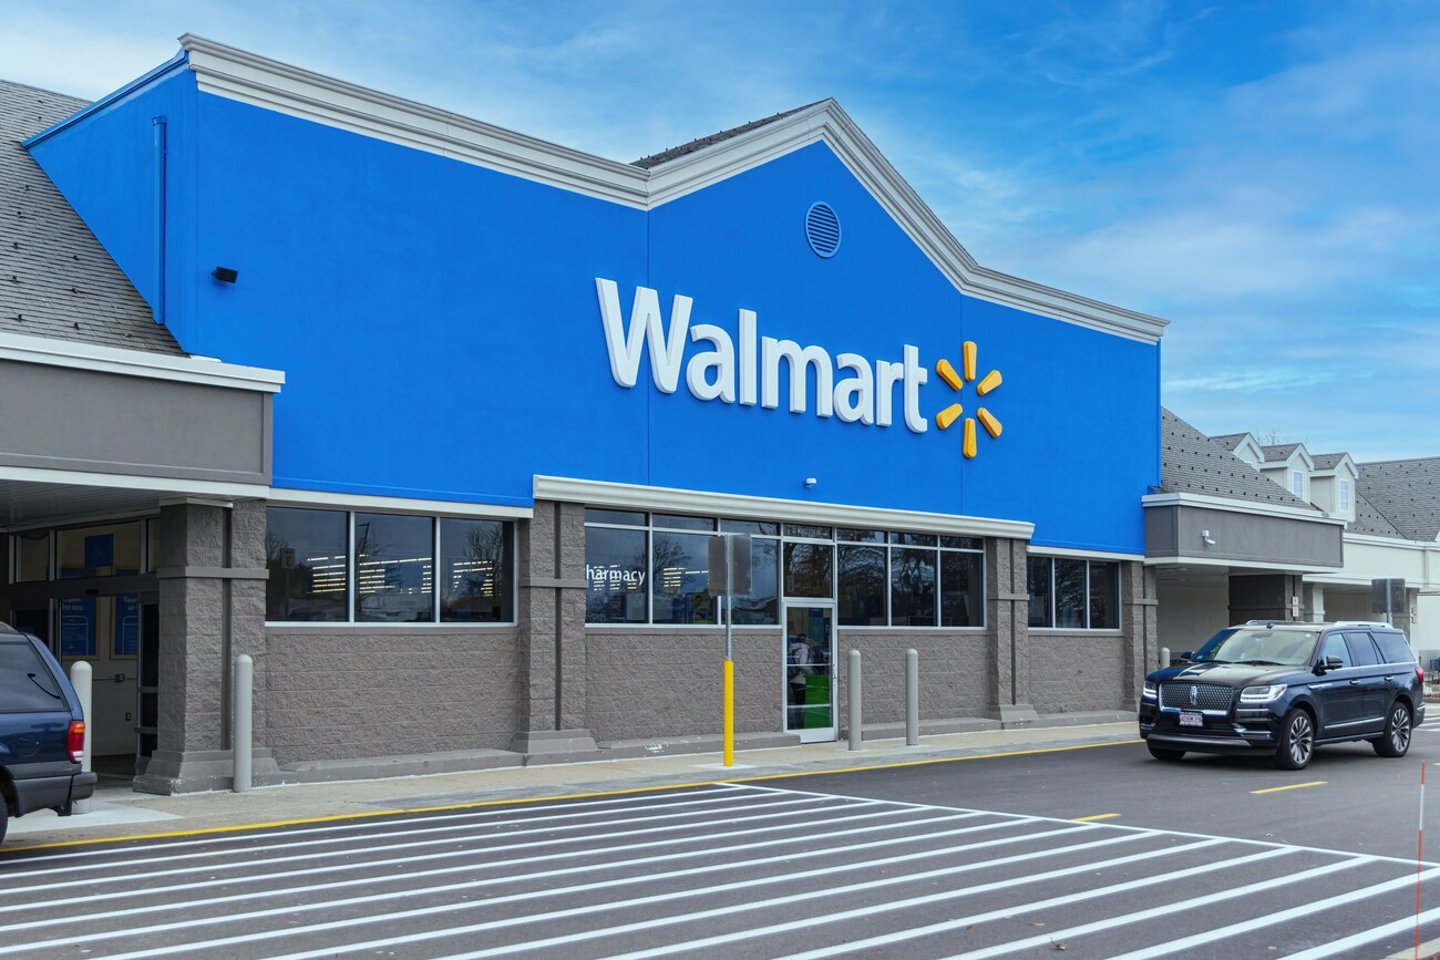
<point x="42" y="732"/>
<point x="1282" y="689"/>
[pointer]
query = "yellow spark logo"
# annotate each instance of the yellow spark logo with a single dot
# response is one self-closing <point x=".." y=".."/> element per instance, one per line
<point x="947" y="417"/>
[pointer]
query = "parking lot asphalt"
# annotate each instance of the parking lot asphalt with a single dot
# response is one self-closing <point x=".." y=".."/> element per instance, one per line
<point x="116" y="811"/>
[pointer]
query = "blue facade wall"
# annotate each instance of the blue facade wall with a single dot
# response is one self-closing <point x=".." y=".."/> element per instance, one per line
<point x="440" y="331"/>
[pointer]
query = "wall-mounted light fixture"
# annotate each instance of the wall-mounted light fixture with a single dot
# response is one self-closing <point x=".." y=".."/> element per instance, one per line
<point x="225" y="274"/>
<point x="810" y="482"/>
<point x="1205" y="536"/>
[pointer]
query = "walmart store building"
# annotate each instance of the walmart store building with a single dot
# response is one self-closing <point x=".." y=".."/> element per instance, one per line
<point x="436" y="421"/>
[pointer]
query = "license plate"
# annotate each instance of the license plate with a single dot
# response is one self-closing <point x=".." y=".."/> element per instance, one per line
<point x="1188" y="719"/>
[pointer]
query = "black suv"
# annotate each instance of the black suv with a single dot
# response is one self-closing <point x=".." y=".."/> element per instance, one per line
<point x="42" y="732"/>
<point x="1283" y="688"/>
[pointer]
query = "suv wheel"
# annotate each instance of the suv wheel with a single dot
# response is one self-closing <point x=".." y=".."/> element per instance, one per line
<point x="1297" y="741"/>
<point x="1395" y="742"/>
<point x="1161" y="753"/>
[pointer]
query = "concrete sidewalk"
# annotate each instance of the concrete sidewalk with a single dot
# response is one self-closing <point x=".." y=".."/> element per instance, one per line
<point x="117" y="811"/>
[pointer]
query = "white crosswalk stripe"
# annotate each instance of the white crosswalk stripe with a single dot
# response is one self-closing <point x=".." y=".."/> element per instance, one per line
<point x="703" y="873"/>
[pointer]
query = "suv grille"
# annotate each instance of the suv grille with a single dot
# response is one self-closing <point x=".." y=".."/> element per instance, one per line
<point x="1208" y="696"/>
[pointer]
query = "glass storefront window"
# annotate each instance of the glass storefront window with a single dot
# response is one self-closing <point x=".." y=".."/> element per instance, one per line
<point x="476" y="560"/>
<point x="110" y="550"/>
<point x="1069" y="593"/>
<point x="850" y="535"/>
<point x="1037" y="571"/>
<point x="681" y="577"/>
<point x="807" y="532"/>
<point x="1104" y="596"/>
<point x="962" y="589"/>
<point x="628" y="518"/>
<point x="394" y="568"/>
<point x="617" y="574"/>
<point x="756" y="528"/>
<point x="762" y="604"/>
<point x="912" y="587"/>
<point x="682" y="523"/>
<point x="32" y="556"/>
<point x="862" y="586"/>
<point x="809" y="569"/>
<point x="1074" y="594"/>
<point x="307" y="558"/>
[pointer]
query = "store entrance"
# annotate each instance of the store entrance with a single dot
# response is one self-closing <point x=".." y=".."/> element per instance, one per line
<point x="808" y="656"/>
<point x="118" y="635"/>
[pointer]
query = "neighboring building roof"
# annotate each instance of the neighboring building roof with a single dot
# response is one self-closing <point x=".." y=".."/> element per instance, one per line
<point x="1279" y="452"/>
<point x="56" y="280"/>
<point x="665" y="156"/>
<point x="1370" y="521"/>
<point x="1327" y="461"/>
<point x="1193" y="463"/>
<point x="1230" y="440"/>
<point x="1407" y="493"/>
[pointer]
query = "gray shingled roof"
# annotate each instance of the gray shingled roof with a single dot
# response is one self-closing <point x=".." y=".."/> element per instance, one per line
<point x="1230" y="440"/>
<point x="1278" y="452"/>
<point x="1327" y="461"/>
<point x="1191" y="462"/>
<point x="55" y="279"/>
<point x="1369" y="521"/>
<point x="1407" y="493"/>
<point x="665" y="156"/>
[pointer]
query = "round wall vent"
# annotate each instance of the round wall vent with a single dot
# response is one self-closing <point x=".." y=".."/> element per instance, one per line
<point x="822" y="229"/>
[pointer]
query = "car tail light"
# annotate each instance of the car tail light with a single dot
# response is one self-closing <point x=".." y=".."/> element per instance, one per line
<point x="1420" y="674"/>
<point x="76" y="741"/>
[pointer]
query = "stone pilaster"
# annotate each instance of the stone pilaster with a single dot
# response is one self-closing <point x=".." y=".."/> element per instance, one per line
<point x="1007" y="617"/>
<point x="551" y="561"/>
<point x="211" y="575"/>
<point x="1139" y="610"/>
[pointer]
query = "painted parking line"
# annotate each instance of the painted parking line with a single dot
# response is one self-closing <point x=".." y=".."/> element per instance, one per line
<point x="1096" y="816"/>
<point x="1290" y="786"/>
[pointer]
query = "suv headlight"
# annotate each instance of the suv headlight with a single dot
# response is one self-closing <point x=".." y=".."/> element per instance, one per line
<point x="1149" y="691"/>
<point x="1263" y="694"/>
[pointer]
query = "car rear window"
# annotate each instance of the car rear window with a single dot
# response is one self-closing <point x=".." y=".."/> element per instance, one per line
<point x="1394" y="647"/>
<point x="26" y="684"/>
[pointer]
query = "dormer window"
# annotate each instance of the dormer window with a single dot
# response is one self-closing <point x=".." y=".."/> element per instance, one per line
<point x="1297" y="483"/>
<point x="1344" y="495"/>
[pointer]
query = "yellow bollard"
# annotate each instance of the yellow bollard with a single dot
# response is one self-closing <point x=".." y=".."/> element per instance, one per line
<point x="729" y="722"/>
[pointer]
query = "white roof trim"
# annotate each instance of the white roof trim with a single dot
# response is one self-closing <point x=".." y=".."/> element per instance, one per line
<point x="238" y="75"/>
<point x="137" y="363"/>
<point x="124" y="481"/>
<point x="286" y="497"/>
<point x="597" y="493"/>
<point x="1037" y="550"/>
<point x="1238" y="506"/>
<point x="1196" y="561"/>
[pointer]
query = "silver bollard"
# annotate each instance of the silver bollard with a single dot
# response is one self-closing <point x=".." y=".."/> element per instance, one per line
<point x="1164" y="657"/>
<point x="912" y="698"/>
<point x="80" y="679"/>
<point x="244" y="705"/>
<point x="855" y="700"/>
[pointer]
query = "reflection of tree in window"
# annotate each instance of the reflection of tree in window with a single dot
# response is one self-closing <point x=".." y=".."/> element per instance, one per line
<point x="393" y="568"/>
<point x="475" y="571"/>
<point x="617" y="575"/>
<point x="912" y="580"/>
<point x="681" y="573"/>
<point x="862" y="585"/>
<point x="305" y="558"/>
<point x="1069" y="593"/>
<point x="809" y="569"/>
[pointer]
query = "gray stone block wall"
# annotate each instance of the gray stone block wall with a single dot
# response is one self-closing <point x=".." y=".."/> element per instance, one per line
<point x="669" y="683"/>
<point x="351" y="694"/>
<point x="1073" y="672"/>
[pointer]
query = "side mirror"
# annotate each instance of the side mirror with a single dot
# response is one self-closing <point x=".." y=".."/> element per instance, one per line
<point x="1184" y="655"/>
<point x="1330" y="663"/>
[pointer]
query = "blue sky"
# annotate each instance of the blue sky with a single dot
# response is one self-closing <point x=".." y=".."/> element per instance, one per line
<point x="1263" y="175"/>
